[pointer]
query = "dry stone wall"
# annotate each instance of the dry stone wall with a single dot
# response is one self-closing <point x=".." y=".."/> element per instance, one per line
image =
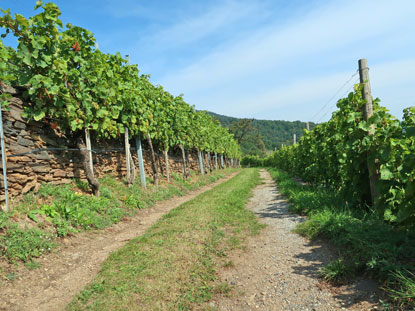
<point x="27" y="171"/>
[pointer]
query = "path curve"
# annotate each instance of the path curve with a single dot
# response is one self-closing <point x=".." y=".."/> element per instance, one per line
<point x="64" y="273"/>
<point x="280" y="269"/>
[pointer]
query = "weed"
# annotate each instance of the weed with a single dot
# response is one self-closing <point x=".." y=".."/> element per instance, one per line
<point x="25" y="244"/>
<point x="403" y="289"/>
<point x="83" y="185"/>
<point x="229" y="264"/>
<point x="11" y="276"/>
<point x="32" y="265"/>
<point x="4" y="221"/>
<point x="223" y="288"/>
<point x="335" y="271"/>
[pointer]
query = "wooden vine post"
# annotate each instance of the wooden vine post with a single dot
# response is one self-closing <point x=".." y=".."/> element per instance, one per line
<point x="209" y="161"/>
<point x="127" y="156"/>
<point x="3" y="159"/>
<point x="202" y="170"/>
<point x="86" y="155"/>
<point x="184" y="160"/>
<point x="307" y="126"/>
<point x="153" y="161"/>
<point x="294" y="139"/>
<point x="216" y="160"/>
<point x="367" y="113"/>
<point x="166" y="159"/>
<point x="89" y="150"/>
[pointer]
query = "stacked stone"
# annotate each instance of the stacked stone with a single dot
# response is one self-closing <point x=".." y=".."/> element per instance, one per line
<point x="28" y="171"/>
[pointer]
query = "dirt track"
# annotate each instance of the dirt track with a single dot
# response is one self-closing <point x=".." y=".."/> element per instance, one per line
<point x="280" y="269"/>
<point x="64" y="273"/>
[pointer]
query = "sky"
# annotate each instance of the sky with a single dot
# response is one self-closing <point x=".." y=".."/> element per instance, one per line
<point x="264" y="59"/>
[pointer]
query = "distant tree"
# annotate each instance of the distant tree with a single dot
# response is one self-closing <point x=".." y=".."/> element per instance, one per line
<point x="247" y="135"/>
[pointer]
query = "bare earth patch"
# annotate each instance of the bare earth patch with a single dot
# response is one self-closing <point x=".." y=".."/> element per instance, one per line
<point x="280" y="270"/>
<point x="64" y="273"/>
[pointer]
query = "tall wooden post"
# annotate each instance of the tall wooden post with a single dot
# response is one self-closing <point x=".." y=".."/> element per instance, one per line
<point x="294" y="139"/>
<point x="307" y="126"/>
<point x="3" y="160"/>
<point x="166" y="160"/>
<point x="366" y="92"/>
<point x="367" y="113"/>
<point x="216" y="160"/>
<point x="202" y="169"/>
<point x="184" y="160"/>
<point x="127" y="155"/>
<point x="89" y="149"/>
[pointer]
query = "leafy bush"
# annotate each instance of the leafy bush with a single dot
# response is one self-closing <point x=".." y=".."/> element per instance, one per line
<point x="336" y="154"/>
<point x="370" y="244"/>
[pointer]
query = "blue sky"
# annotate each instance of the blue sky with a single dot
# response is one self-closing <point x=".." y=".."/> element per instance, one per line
<point x="267" y="59"/>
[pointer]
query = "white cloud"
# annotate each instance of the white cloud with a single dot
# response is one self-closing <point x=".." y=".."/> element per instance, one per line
<point x="342" y="29"/>
<point x="193" y="28"/>
<point x="281" y="102"/>
<point x="315" y="99"/>
<point x="393" y="83"/>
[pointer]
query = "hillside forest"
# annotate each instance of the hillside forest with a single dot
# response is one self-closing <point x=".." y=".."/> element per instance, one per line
<point x="260" y="137"/>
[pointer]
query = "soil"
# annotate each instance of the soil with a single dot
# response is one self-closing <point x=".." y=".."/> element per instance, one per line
<point x="280" y="270"/>
<point x="65" y="272"/>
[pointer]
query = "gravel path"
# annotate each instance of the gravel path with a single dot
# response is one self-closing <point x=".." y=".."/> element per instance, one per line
<point x="64" y="273"/>
<point x="280" y="269"/>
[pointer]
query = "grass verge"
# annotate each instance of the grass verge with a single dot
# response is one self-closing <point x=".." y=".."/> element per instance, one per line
<point x="172" y="266"/>
<point x="366" y="243"/>
<point x="37" y="221"/>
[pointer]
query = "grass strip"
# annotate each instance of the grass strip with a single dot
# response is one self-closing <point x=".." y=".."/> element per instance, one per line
<point x="366" y="243"/>
<point x="172" y="266"/>
<point x="37" y="221"/>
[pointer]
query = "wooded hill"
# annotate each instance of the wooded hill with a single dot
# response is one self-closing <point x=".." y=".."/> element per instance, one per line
<point x="263" y="135"/>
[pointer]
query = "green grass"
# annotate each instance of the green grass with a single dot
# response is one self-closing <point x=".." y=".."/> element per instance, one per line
<point x="367" y="244"/>
<point x="37" y="221"/>
<point x="173" y="265"/>
<point x="335" y="271"/>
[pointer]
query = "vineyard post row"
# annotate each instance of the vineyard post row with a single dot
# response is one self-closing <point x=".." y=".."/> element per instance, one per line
<point x="3" y="159"/>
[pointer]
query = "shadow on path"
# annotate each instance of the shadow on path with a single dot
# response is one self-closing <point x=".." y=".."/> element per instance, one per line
<point x="317" y="254"/>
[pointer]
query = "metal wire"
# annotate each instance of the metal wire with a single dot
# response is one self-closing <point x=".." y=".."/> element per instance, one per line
<point x="335" y="94"/>
<point x="344" y="94"/>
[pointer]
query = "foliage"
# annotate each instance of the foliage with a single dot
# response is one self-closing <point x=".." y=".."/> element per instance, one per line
<point x="248" y="137"/>
<point x="366" y="242"/>
<point x="25" y="244"/>
<point x="337" y="153"/>
<point x="403" y="290"/>
<point x="76" y="86"/>
<point x="271" y="134"/>
<point x="252" y="161"/>
<point x="335" y="271"/>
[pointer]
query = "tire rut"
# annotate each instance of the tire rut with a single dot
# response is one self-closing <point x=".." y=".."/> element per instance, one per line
<point x="65" y="272"/>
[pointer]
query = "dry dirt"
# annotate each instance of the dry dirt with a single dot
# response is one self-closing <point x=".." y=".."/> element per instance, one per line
<point x="64" y="273"/>
<point x="280" y="269"/>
